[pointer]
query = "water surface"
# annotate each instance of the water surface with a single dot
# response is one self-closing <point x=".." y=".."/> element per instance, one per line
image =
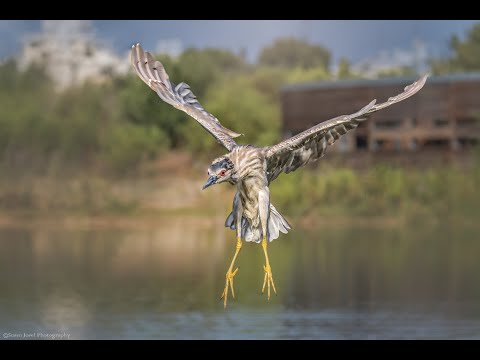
<point x="164" y="283"/>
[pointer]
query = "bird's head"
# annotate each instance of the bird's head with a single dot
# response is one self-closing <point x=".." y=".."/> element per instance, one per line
<point x="220" y="171"/>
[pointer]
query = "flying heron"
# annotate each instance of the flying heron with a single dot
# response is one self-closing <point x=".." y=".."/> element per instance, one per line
<point x="252" y="168"/>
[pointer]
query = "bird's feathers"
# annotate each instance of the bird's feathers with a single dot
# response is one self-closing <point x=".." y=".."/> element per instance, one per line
<point x="180" y="96"/>
<point x="311" y="144"/>
<point x="276" y="224"/>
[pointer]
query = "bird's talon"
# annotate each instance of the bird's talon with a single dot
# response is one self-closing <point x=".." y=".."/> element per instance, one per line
<point x="228" y="283"/>
<point x="268" y="280"/>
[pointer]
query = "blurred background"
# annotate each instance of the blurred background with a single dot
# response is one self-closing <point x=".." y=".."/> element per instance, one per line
<point x="104" y="229"/>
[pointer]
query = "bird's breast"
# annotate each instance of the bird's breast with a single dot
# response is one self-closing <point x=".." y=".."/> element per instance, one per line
<point x="250" y="169"/>
<point x="248" y="190"/>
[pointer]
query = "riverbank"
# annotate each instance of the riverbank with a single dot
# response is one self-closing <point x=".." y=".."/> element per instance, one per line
<point x="198" y="220"/>
<point x="325" y="195"/>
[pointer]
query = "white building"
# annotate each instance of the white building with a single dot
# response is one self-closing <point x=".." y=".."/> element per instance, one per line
<point x="70" y="53"/>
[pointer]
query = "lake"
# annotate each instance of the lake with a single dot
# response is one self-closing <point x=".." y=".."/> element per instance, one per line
<point x="164" y="282"/>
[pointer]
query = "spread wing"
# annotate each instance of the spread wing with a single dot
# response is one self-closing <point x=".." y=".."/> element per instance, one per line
<point x="311" y="144"/>
<point x="180" y="96"/>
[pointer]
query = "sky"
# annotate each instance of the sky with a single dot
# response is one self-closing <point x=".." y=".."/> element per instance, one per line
<point x="356" y="40"/>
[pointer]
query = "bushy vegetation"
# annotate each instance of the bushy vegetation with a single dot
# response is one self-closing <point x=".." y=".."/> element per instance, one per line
<point x="437" y="192"/>
<point x="85" y="128"/>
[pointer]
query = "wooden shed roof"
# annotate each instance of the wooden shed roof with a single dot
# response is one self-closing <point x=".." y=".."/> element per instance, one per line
<point x="351" y="83"/>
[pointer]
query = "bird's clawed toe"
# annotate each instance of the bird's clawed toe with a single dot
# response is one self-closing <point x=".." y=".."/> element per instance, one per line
<point x="268" y="279"/>
<point x="228" y="282"/>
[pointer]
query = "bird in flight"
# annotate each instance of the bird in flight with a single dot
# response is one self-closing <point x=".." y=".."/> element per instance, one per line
<point x="252" y="168"/>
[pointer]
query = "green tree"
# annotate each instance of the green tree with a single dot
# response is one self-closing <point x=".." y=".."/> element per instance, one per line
<point x="141" y="106"/>
<point x="201" y="67"/>
<point x="299" y="74"/>
<point x="291" y="52"/>
<point x="397" y="72"/>
<point x="344" y="71"/>
<point x="465" y="54"/>
<point x="26" y="100"/>
<point x="126" y="146"/>
<point x="241" y="107"/>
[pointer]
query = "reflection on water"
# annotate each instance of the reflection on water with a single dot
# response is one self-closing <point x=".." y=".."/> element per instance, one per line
<point x="166" y="282"/>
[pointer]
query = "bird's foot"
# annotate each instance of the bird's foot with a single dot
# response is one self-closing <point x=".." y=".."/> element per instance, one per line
<point x="268" y="280"/>
<point x="228" y="282"/>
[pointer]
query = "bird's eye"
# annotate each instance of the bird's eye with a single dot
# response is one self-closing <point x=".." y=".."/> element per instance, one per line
<point x="222" y="173"/>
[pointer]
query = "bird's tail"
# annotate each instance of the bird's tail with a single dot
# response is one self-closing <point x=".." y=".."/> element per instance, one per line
<point x="276" y="224"/>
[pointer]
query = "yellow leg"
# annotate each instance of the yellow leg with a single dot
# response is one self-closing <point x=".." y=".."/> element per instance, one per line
<point x="229" y="276"/>
<point x="268" y="271"/>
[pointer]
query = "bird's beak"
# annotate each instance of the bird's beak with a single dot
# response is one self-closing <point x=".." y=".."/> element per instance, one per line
<point x="211" y="180"/>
